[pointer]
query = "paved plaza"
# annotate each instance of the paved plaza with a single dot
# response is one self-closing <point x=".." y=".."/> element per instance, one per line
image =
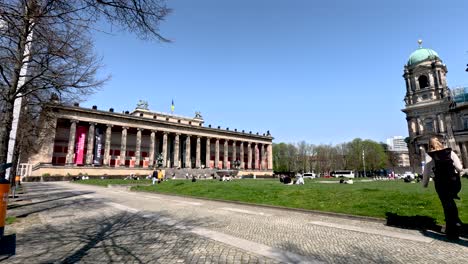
<point x="63" y="222"/>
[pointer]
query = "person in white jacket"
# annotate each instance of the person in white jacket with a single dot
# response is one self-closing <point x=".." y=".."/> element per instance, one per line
<point x="446" y="167"/>
<point x="300" y="180"/>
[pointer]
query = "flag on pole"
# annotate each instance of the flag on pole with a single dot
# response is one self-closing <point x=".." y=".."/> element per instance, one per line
<point x="172" y="106"/>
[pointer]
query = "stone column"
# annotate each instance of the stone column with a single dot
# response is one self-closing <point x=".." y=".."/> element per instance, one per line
<point x="408" y="85"/>
<point x="226" y="153"/>
<point x="197" y="155"/>
<point x="464" y="151"/>
<point x="217" y="153"/>
<point x="234" y="153"/>
<point x="416" y="83"/>
<point x="123" y="146"/>
<point x="263" y="159"/>
<point x="107" y="145"/>
<point x="151" y="149"/>
<point x="164" y="149"/>
<point x="441" y="123"/>
<point x="208" y="154"/>
<point x="90" y="147"/>
<point x="436" y="79"/>
<point x="270" y="157"/>
<point x="176" y="151"/>
<point x="71" y="143"/>
<point x="188" y="160"/>
<point x="241" y="149"/>
<point x="257" y="158"/>
<point x="138" y="147"/>
<point x="249" y="156"/>
<point x="450" y="136"/>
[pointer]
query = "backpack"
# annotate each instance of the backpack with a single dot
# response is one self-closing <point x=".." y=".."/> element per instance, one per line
<point x="443" y="165"/>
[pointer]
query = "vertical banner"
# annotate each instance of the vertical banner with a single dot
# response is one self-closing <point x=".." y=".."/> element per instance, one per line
<point x="97" y="160"/>
<point x="80" y="144"/>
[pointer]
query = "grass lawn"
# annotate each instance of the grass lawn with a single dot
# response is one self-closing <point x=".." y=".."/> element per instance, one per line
<point x="10" y="220"/>
<point x="100" y="182"/>
<point x="373" y="199"/>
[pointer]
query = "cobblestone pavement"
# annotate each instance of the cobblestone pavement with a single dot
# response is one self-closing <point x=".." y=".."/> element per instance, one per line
<point x="67" y="223"/>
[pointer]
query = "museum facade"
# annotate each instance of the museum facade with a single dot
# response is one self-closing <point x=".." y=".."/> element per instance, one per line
<point x="83" y="141"/>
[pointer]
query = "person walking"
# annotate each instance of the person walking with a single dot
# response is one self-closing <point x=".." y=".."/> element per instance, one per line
<point x="446" y="167"/>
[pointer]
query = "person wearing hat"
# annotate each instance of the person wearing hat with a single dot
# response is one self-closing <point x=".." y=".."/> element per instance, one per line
<point x="446" y="167"/>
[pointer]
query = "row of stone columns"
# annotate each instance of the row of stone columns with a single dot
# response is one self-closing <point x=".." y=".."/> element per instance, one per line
<point x="265" y="152"/>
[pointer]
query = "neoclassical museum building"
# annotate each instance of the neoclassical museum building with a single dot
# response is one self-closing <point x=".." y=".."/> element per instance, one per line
<point x="83" y="141"/>
<point x="432" y="108"/>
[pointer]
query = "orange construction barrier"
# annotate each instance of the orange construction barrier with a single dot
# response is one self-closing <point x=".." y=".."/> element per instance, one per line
<point x="4" y="190"/>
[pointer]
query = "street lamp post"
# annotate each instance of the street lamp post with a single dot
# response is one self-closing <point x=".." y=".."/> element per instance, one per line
<point x="364" y="162"/>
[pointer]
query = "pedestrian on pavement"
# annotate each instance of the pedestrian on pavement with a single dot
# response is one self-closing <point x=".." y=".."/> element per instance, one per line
<point x="446" y="167"/>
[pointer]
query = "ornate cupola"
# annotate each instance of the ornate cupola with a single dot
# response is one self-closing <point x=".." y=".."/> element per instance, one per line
<point x="424" y="75"/>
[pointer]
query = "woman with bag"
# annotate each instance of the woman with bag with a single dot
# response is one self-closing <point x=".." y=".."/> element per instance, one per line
<point x="446" y="167"/>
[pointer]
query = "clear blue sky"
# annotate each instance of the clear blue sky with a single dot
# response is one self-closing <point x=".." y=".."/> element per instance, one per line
<point x="319" y="71"/>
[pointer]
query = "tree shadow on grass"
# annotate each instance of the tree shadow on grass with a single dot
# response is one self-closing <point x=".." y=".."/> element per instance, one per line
<point x="425" y="224"/>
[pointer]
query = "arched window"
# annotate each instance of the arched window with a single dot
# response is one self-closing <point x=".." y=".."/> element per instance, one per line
<point x="429" y="125"/>
<point x="423" y="81"/>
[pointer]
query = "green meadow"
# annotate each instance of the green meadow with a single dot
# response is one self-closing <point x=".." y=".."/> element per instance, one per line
<point x="363" y="198"/>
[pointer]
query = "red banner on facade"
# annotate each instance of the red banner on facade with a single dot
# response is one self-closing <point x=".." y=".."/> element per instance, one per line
<point x="80" y="144"/>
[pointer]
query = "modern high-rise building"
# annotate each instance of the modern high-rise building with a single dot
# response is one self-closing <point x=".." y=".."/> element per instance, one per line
<point x="399" y="148"/>
<point x="397" y="143"/>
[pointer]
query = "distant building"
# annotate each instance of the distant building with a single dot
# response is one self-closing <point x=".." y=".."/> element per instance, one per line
<point x="398" y="146"/>
<point x="432" y="108"/>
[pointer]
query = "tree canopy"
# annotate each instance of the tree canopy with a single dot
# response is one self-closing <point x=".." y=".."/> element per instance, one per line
<point x="325" y="158"/>
<point x="46" y="49"/>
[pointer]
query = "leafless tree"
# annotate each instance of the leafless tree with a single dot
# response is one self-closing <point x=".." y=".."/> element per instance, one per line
<point x="46" y="48"/>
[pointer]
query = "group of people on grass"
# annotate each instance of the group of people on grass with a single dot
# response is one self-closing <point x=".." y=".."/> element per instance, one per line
<point x="288" y="180"/>
<point x="157" y="176"/>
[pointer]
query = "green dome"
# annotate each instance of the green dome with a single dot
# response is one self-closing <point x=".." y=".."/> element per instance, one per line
<point x="422" y="54"/>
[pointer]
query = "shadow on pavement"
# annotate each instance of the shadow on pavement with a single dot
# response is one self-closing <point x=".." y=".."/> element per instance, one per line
<point x="88" y="230"/>
<point x="122" y="237"/>
<point x="426" y="225"/>
<point x="60" y="196"/>
<point x="355" y="254"/>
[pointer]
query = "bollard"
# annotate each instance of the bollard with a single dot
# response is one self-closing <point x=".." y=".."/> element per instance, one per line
<point x="7" y="243"/>
<point x="4" y="190"/>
